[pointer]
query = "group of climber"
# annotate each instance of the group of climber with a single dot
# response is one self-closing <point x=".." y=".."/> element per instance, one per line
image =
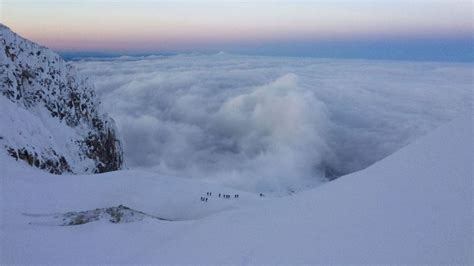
<point x="224" y="196"/>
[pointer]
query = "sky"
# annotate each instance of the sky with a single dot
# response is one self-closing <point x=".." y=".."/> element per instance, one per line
<point x="421" y="29"/>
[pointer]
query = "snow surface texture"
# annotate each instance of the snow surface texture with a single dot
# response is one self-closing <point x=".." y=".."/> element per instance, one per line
<point x="413" y="207"/>
<point x="49" y="114"/>
<point x="273" y="124"/>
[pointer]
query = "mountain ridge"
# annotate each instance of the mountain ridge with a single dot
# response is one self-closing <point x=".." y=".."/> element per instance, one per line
<point x="67" y="132"/>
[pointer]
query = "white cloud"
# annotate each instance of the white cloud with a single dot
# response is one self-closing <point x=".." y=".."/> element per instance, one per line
<point x="263" y="123"/>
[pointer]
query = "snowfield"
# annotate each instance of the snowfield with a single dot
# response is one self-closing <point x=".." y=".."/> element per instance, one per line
<point x="412" y="207"/>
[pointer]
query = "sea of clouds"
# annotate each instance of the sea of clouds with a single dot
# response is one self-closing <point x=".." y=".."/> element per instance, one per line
<point x="269" y="123"/>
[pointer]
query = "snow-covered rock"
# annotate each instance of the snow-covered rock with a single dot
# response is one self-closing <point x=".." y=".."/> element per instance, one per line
<point x="119" y="214"/>
<point x="50" y="116"/>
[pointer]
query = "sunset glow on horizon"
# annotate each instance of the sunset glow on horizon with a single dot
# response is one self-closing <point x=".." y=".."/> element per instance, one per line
<point x="105" y="25"/>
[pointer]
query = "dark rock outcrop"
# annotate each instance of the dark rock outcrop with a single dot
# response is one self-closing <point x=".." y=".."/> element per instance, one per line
<point x="63" y="129"/>
<point x="115" y="215"/>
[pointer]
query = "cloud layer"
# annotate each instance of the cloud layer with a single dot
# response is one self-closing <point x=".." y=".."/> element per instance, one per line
<point x="272" y="124"/>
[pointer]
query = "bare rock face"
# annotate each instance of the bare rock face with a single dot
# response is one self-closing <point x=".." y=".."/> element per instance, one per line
<point x="50" y="116"/>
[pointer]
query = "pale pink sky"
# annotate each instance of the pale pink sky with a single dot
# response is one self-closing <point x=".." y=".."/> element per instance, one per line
<point x="174" y="25"/>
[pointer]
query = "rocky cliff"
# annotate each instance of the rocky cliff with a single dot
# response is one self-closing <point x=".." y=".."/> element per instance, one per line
<point x="50" y="116"/>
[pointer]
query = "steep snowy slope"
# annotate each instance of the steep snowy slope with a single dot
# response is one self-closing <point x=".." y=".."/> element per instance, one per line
<point x="413" y="207"/>
<point x="49" y="114"/>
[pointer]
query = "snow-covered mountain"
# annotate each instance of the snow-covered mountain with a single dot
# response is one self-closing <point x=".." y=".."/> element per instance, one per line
<point x="50" y="116"/>
<point x="413" y="207"/>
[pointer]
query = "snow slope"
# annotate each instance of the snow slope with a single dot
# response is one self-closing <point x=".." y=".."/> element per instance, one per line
<point x="412" y="207"/>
